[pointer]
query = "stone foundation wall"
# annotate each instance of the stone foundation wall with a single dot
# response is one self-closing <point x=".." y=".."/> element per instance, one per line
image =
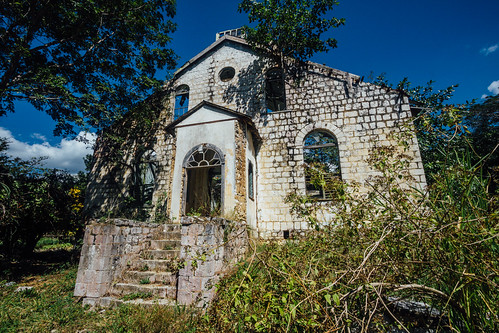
<point x="210" y="248"/>
<point x="107" y="248"/>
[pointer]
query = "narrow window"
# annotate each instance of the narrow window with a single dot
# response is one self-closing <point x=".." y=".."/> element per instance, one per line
<point x="181" y="101"/>
<point x="146" y="176"/>
<point x="250" y="181"/>
<point x="322" y="164"/>
<point x="275" y="90"/>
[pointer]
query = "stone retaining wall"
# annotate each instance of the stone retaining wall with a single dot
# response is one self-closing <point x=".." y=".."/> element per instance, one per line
<point x="210" y="248"/>
<point x="107" y="248"/>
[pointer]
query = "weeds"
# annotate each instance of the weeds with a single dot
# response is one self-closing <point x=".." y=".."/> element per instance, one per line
<point x="394" y="245"/>
<point x="137" y="295"/>
<point x="145" y="281"/>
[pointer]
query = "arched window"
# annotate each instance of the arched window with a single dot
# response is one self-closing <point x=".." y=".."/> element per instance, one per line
<point x="203" y="189"/>
<point x="146" y="176"/>
<point x="181" y="101"/>
<point x="322" y="163"/>
<point x="275" y="96"/>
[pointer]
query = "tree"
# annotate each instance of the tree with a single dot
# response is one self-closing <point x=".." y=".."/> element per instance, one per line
<point x="483" y="122"/>
<point x="290" y="28"/>
<point x="35" y="201"/>
<point x="85" y="62"/>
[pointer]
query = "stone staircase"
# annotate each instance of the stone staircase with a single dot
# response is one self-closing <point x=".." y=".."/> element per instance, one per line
<point x="151" y="278"/>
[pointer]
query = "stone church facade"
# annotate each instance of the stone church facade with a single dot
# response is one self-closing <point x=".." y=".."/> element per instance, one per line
<point x="236" y="138"/>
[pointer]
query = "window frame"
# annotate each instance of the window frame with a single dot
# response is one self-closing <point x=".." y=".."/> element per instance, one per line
<point x="275" y="95"/>
<point x="251" y="181"/>
<point x="147" y="165"/>
<point x="322" y="194"/>
<point x="182" y="92"/>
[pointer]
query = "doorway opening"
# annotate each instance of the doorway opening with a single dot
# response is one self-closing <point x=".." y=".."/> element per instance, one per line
<point x="204" y="181"/>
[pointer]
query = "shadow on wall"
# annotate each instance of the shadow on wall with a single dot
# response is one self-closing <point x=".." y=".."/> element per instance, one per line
<point x="248" y="91"/>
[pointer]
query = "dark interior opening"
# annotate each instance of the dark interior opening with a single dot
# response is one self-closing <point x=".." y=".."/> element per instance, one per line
<point x="204" y="191"/>
<point x="285" y="234"/>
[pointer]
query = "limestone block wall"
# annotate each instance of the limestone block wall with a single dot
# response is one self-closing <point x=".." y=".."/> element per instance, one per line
<point x="244" y="93"/>
<point x="210" y="248"/>
<point x="108" y="180"/>
<point x="360" y="115"/>
<point x="107" y="248"/>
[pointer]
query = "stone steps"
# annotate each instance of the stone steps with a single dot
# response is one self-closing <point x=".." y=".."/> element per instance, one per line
<point x="155" y="265"/>
<point x="155" y="290"/>
<point x="154" y="273"/>
<point x="159" y="254"/>
<point x="165" y="278"/>
<point x="166" y="244"/>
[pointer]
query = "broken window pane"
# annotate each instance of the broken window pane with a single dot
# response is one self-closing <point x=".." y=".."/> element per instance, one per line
<point x="322" y="163"/>
<point x="227" y="74"/>
<point x="275" y="90"/>
<point x="203" y="157"/>
<point x="250" y="180"/>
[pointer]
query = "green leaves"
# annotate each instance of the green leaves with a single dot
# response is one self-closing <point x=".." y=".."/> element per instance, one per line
<point x="34" y="201"/>
<point x="85" y="63"/>
<point x="290" y="28"/>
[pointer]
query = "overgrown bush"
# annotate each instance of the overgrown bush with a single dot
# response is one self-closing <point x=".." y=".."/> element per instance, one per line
<point x="35" y="201"/>
<point x="394" y="244"/>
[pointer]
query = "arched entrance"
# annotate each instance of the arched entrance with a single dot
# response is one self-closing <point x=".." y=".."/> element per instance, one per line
<point x="203" y="182"/>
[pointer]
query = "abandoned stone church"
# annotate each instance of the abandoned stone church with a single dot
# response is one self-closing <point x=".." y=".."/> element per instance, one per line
<point x="235" y="138"/>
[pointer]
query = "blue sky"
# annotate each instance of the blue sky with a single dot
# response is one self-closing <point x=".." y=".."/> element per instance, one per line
<point x="450" y="42"/>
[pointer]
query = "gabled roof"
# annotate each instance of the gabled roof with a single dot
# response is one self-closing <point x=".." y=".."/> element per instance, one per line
<point x="217" y="43"/>
<point x="241" y="116"/>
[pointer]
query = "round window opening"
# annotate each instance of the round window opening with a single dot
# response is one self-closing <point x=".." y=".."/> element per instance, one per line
<point x="227" y="73"/>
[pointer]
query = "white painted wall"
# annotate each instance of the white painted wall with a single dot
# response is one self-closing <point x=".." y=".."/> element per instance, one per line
<point x="220" y="134"/>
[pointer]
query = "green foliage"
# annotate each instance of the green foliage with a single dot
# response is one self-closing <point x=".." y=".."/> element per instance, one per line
<point x="392" y="243"/>
<point x="137" y="295"/>
<point x="152" y="319"/>
<point x="290" y="28"/>
<point x="482" y="120"/>
<point x="50" y="306"/>
<point x="443" y="128"/>
<point x="145" y="281"/>
<point x="45" y="244"/>
<point x="35" y="201"/>
<point x="84" y="62"/>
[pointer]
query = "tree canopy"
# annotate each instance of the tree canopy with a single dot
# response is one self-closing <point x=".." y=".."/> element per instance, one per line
<point x="84" y="62"/>
<point x="291" y="28"/>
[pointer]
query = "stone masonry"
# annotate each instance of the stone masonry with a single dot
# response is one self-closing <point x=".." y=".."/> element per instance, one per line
<point x="165" y="263"/>
<point x="260" y="162"/>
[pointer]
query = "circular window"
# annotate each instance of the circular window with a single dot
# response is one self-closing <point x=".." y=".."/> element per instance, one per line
<point x="227" y="73"/>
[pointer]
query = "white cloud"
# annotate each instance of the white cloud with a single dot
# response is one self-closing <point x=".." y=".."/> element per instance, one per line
<point x="67" y="155"/>
<point x="494" y="87"/>
<point x="484" y="96"/>
<point x="38" y="136"/>
<point x="488" y="50"/>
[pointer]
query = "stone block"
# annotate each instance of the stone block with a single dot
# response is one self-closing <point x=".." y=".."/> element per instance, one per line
<point x="80" y="289"/>
<point x="185" y="297"/>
